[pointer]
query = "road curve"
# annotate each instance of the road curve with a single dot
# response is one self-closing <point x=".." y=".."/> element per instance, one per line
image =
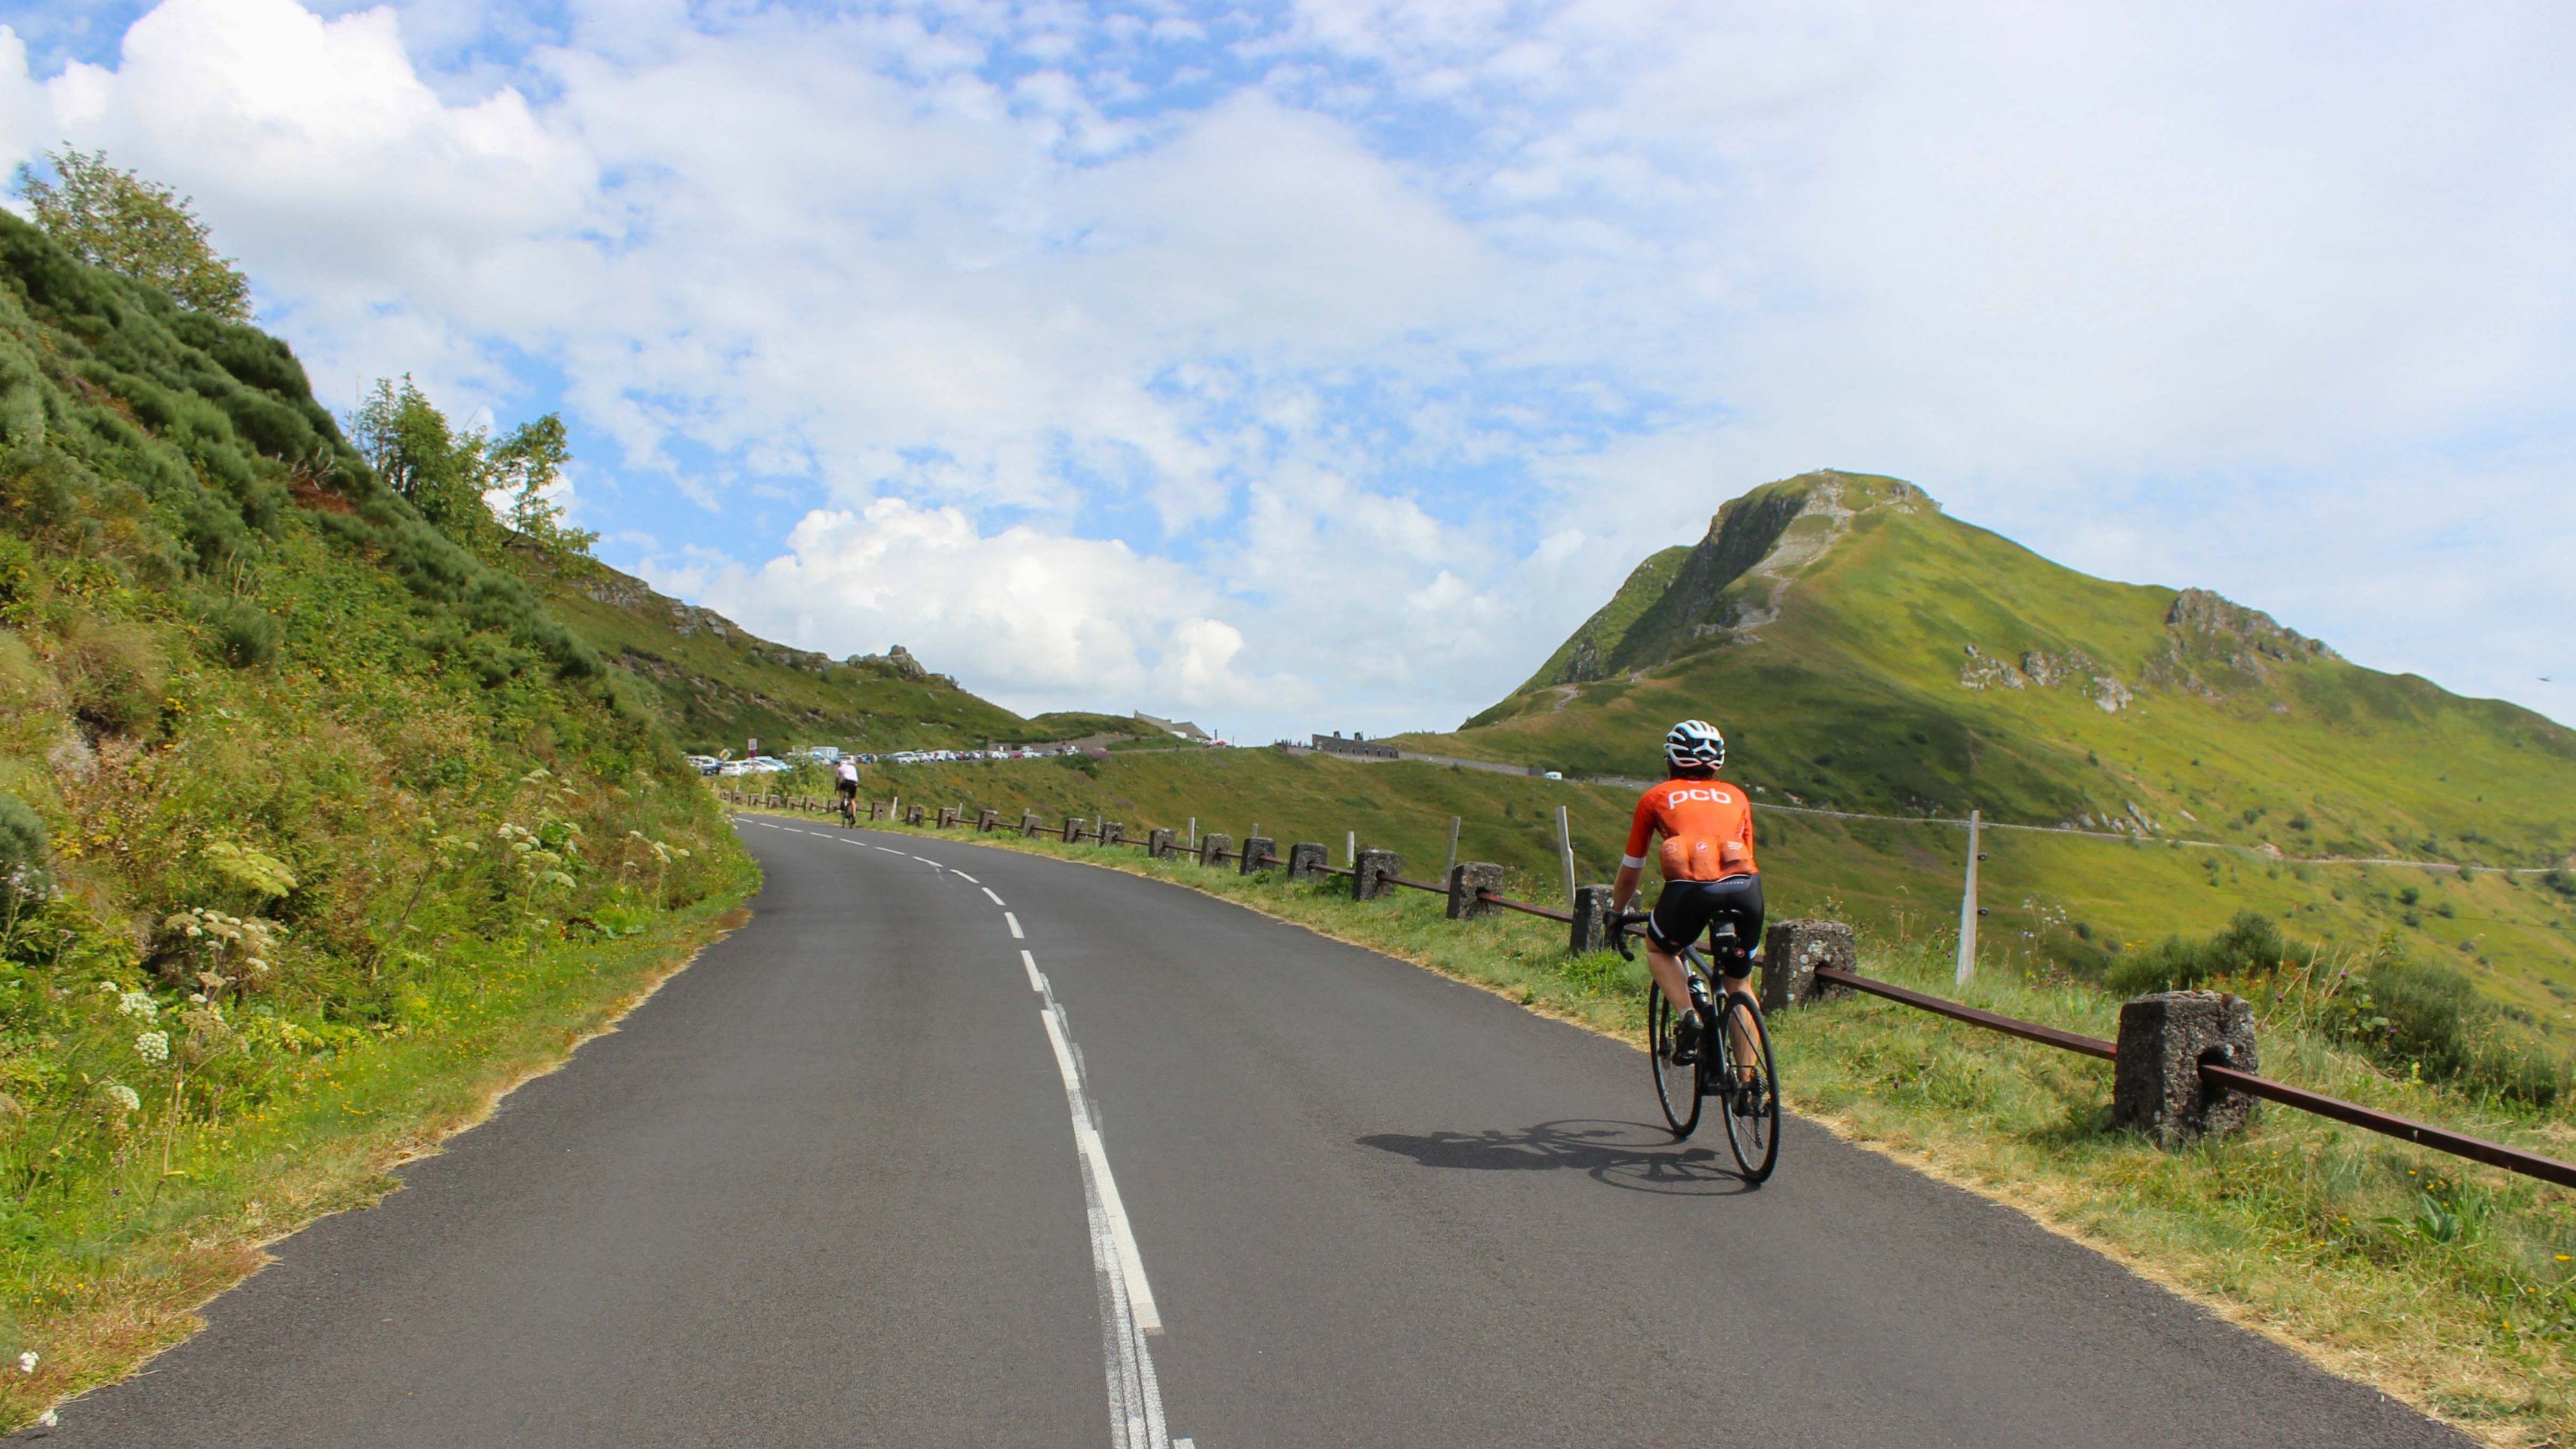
<point x="865" y="1176"/>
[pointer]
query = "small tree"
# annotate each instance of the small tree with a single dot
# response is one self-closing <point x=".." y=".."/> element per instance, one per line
<point x="140" y="229"/>
<point x="449" y="474"/>
<point x="526" y="463"/>
<point x="408" y="442"/>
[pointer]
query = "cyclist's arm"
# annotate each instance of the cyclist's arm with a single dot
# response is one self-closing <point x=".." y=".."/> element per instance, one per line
<point x="1641" y="833"/>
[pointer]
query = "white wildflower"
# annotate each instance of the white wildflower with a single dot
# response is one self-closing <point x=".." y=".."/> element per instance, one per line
<point x="124" y="1096"/>
<point x="153" y="1046"/>
<point x="139" y="1004"/>
<point x="27" y="1362"/>
<point x="197" y="997"/>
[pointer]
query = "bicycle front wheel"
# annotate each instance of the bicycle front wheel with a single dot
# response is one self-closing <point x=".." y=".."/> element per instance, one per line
<point x="1677" y="1084"/>
<point x="1751" y="1105"/>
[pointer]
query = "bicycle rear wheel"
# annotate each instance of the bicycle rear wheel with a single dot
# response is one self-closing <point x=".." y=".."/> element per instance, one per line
<point x="1751" y="1109"/>
<point x="1677" y="1084"/>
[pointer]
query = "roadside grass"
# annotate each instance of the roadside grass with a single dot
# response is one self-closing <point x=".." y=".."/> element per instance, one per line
<point x="102" y="1270"/>
<point x="2444" y="1283"/>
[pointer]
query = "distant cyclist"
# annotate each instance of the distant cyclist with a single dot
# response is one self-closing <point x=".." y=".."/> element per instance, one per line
<point x="1709" y="875"/>
<point x="846" y="786"/>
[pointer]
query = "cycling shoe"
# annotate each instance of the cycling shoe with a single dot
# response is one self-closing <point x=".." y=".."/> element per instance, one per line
<point x="1686" y="1035"/>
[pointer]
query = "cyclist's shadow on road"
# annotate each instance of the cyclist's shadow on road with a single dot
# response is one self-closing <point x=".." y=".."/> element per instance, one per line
<point x="1632" y="1155"/>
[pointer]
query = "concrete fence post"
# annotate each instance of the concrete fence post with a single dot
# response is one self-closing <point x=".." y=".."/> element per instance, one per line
<point x="1791" y="952"/>
<point x="1214" y="846"/>
<point x="985" y="820"/>
<point x="913" y="816"/>
<point x="1030" y="826"/>
<point x="1307" y="859"/>
<point x="2156" y="1085"/>
<point x="1591" y="921"/>
<point x="1112" y="832"/>
<point x="1465" y="879"/>
<point x="947" y="816"/>
<point x="1369" y="869"/>
<point x="1073" y="828"/>
<point x="1158" y="843"/>
<point x="1256" y="849"/>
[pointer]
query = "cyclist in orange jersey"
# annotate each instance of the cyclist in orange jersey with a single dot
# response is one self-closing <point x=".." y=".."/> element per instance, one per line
<point x="1709" y="874"/>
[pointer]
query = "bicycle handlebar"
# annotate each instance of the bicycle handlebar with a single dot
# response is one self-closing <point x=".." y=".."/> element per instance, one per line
<point x="1623" y="924"/>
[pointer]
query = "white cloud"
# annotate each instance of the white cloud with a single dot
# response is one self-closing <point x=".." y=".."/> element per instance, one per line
<point x="1055" y="617"/>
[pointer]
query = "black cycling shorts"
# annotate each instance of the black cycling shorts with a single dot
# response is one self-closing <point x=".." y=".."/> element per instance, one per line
<point x="1687" y="908"/>
<point x="849" y="789"/>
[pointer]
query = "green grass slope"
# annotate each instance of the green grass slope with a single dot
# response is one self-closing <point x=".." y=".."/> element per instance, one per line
<point x="315" y="827"/>
<point x="717" y="686"/>
<point x="1864" y="651"/>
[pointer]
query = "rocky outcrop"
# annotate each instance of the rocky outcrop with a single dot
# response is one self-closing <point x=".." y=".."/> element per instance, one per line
<point x="2046" y="669"/>
<point x="897" y="660"/>
<point x="2215" y="646"/>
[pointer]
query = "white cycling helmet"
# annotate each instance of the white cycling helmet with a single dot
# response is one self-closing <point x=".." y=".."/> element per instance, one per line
<point x="1694" y="742"/>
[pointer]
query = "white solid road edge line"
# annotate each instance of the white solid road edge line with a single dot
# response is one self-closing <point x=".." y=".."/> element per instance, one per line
<point x="988" y="893"/>
<point x="1014" y="923"/>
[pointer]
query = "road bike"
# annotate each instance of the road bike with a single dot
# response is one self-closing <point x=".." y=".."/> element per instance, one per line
<point x="1746" y="1086"/>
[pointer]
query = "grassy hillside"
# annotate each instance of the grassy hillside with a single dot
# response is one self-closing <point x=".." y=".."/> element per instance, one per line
<point x="315" y="826"/>
<point x="717" y="686"/>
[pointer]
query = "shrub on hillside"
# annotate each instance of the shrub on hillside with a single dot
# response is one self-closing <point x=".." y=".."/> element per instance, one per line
<point x="22" y="843"/>
<point x="116" y="676"/>
<point x="244" y="633"/>
<point x="2250" y="945"/>
<point x="2428" y="1018"/>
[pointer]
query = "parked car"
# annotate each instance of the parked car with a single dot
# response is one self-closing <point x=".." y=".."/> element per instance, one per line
<point x="1559" y="775"/>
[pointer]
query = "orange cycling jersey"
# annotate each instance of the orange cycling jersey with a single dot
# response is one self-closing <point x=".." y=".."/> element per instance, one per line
<point x="1707" y="827"/>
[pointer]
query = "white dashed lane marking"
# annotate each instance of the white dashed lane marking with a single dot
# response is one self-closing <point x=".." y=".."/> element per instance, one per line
<point x="988" y="894"/>
<point x="970" y="880"/>
<point x="1014" y="922"/>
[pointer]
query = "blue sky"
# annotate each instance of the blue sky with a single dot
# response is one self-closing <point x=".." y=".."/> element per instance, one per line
<point x="1321" y="364"/>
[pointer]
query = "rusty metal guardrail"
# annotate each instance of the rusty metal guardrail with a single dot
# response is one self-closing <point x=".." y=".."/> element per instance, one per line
<point x="1524" y="907"/>
<point x="2439" y="1139"/>
<point x="2091" y="1046"/>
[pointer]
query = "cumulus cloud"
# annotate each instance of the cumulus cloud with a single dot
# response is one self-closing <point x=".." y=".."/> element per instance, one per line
<point x="1055" y="617"/>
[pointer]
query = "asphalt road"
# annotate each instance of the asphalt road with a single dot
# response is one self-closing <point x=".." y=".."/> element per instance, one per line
<point x="852" y="1180"/>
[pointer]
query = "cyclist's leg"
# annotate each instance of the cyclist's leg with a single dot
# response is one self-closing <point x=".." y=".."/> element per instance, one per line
<point x="1738" y="899"/>
<point x="1680" y="915"/>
